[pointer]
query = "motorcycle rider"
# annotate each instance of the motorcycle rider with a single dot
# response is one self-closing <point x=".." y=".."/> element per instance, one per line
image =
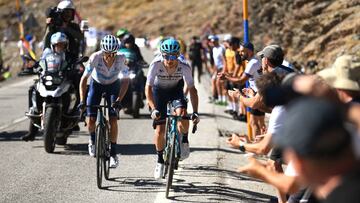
<point x="104" y="69"/>
<point x="128" y="41"/>
<point x="59" y="45"/>
<point x="60" y="19"/>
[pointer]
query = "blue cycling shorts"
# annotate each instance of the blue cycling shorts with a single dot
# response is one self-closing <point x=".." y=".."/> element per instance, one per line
<point x="162" y="97"/>
<point x="94" y="96"/>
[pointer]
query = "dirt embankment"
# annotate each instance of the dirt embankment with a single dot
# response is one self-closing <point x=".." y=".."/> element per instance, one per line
<point x="308" y="29"/>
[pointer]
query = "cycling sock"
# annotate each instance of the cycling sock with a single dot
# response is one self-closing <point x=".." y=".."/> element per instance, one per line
<point x="160" y="156"/>
<point x="185" y="138"/>
<point x="113" y="149"/>
<point x="92" y="137"/>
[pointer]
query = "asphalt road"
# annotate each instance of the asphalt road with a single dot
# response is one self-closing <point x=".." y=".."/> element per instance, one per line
<point x="29" y="174"/>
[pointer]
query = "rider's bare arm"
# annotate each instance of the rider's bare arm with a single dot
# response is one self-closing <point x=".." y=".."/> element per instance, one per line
<point x="149" y="96"/>
<point x="83" y="83"/>
<point x="123" y="88"/>
<point x="194" y="98"/>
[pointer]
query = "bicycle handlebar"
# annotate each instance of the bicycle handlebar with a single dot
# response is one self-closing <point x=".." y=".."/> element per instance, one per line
<point x="187" y="117"/>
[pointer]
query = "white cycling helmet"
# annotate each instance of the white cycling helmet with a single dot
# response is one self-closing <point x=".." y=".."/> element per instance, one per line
<point x="58" y="37"/>
<point x="109" y="44"/>
<point x="66" y="4"/>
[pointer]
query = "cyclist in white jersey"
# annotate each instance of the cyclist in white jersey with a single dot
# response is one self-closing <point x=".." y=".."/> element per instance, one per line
<point x="165" y="83"/>
<point x="104" y="67"/>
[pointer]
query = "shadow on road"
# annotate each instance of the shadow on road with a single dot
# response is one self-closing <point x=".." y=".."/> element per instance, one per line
<point x="136" y="149"/>
<point x="73" y="149"/>
<point x="12" y="136"/>
<point x="135" y="185"/>
<point x="216" y="192"/>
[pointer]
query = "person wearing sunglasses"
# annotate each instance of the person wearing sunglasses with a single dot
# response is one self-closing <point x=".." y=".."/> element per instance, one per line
<point x="165" y="83"/>
<point x="104" y="68"/>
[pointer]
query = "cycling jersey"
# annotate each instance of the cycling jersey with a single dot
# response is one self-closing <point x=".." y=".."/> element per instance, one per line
<point x="158" y="77"/>
<point x="101" y="73"/>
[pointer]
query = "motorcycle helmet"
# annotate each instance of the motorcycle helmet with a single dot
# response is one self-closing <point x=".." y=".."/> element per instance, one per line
<point x="67" y="10"/>
<point x="121" y="32"/>
<point x="58" y="37"/>
<point x="109" y="44"/>
<point x="128" y="39"/>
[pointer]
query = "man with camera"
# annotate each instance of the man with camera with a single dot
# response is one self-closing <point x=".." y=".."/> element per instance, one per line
<point x="59" y="19"/>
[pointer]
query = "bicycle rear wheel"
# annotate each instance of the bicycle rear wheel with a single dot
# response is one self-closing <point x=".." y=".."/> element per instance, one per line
<point x="106" y="159"/>
<point x="171" y="166"/>
<point x="99" y="154"/>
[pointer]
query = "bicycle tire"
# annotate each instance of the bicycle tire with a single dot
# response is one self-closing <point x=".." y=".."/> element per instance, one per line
<point x="106" y="159"/>
<point x="171" y="166"/>
<point x="99" y="155"/>
<point x="166" y="151"/>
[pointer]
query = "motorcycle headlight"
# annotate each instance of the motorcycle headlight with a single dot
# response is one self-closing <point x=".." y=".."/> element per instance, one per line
<point x="48" y="78"/>
<point x="48" y="83"/>
<point x="132" y="75"/>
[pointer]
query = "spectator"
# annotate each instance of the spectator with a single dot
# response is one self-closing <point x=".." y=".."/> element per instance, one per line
<point x="317" y="141"/>
<point x="26" y="46"/>
<point x="196" y="56"/>
<point x="218" y="52"/>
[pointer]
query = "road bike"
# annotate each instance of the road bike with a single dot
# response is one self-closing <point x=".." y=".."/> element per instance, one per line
<point x="172" y="151"/>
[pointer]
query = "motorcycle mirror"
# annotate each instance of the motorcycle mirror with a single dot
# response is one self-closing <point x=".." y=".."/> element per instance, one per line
<point x="83" y="59"/>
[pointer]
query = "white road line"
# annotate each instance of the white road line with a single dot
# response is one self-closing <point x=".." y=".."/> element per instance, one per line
<point x="19" y="120"/>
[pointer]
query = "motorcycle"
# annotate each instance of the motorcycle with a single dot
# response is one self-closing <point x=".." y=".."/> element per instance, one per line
<point x="133" y="99"/>
<point x="53" y="100"/>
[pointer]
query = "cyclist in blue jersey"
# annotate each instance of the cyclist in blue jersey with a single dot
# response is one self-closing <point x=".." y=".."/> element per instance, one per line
<point x="104" y="68"/>
<point x="165" y="83"/>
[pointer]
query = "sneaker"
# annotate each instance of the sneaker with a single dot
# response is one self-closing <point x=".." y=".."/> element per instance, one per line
<point x="91" y="148"/>
<point x="159" y="171"/>
<point x="114" y="161"/>
<point x="185" y="151"/>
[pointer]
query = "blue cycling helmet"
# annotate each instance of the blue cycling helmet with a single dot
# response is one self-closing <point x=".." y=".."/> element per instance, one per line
<point x="58" y="37"/>
<point x="170" y="46"/>
<point x="109" y="44"/>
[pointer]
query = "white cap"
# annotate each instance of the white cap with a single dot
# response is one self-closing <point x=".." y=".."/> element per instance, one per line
<point x="66" y="4"/>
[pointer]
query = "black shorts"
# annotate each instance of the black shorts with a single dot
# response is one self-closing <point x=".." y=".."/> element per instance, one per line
<point x="162" y="97"/>
<point x="276" y="155"/>
<point x="229" y="85"/>
<point x="257" y="112"/>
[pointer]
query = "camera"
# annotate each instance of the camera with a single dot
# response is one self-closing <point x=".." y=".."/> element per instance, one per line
<point x="55" y="15"/>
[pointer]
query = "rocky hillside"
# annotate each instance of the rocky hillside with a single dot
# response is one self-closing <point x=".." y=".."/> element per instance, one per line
<point x="308" y="29"/>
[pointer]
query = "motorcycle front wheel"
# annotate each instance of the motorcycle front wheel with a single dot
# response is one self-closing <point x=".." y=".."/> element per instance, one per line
<point x="50" y="122"/>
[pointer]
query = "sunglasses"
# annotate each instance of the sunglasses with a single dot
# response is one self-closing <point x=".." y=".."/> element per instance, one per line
<point x="170" y="57"/>
<point x="110" y="54"/>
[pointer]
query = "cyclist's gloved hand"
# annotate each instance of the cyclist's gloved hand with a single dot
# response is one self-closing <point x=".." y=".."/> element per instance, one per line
<point x="195" y="117"/>
<point x="155" y="114"/>
<point x="81" y="106"/>
<point x="116" y="105"/>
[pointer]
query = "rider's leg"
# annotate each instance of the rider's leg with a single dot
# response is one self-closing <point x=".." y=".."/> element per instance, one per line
<point x="183" y="126"/>
<point x="113" y="134"/>
<point x="159" y="140"/>
<point x="91" y="128"/>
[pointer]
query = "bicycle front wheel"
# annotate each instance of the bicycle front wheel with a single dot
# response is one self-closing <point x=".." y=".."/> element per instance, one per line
<point x="106" y="159"/>
<point x="171" y="166"/>
<point x="99" y="154"/>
